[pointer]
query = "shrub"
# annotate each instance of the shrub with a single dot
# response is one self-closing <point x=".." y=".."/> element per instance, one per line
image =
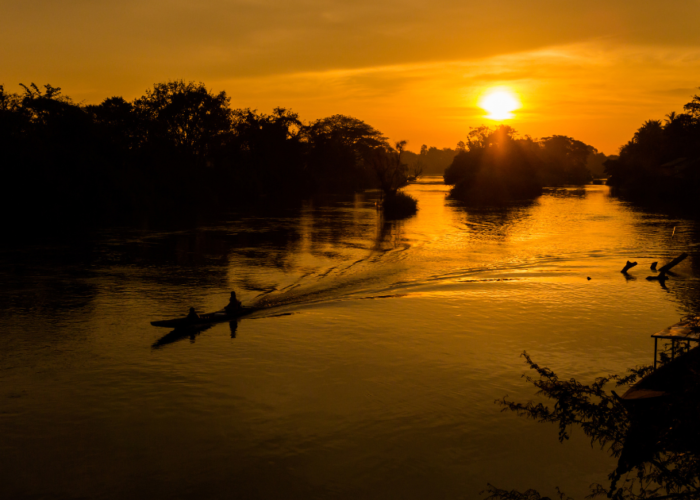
<point x="399" y="205"/>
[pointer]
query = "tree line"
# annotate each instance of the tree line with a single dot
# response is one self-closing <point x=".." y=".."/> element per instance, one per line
<point x="429" y="161"/>
<point x="662" y="159"/>
<point x="178" y="146"/>
<point x="181" y="147"/>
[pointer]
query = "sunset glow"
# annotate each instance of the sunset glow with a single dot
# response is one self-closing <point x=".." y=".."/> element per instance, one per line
<point x="500" y="104"/>
<point x="345" y="249"/>
<point x="614" y="66"/>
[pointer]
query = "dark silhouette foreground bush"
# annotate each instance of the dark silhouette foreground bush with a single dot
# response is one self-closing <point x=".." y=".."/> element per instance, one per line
<point x="399" y="205"/>
<point x="657" y="446"/>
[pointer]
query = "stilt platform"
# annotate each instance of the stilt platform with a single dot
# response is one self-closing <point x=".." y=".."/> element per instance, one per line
<point x="686" y="330"/>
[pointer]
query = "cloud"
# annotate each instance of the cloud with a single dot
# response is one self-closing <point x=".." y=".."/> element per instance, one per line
<point x="262" y="37"/>
<point x="406" y="65"/>
<point x="580" y="90"/>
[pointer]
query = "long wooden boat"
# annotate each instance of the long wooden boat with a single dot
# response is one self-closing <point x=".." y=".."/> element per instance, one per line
<point x="211" y="318"/>
<point x="673" y="379"/>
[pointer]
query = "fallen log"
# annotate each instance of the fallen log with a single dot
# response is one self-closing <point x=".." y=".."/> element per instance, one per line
<point x="661" y="277"/>
<point x="628" y="266"/>
<point x="673" y="263"/>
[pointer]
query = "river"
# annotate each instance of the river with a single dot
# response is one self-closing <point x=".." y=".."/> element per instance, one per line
<point x="371" y="371"/>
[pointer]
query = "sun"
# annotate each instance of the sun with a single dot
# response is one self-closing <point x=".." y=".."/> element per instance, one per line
<point x="500" y="103"/>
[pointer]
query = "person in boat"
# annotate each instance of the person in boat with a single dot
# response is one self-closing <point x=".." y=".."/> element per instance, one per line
<point x="192" y="315"/>
<point x="234" y="304"/>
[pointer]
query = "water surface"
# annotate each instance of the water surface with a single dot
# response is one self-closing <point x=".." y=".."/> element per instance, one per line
<point x="370" y="373"/>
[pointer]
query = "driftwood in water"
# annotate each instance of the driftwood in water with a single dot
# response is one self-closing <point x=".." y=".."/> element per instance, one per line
<point x="673" y="263"/>
<point x="660" y="277"/>
<point x="664" y="270"/>
<point x="653" y="266"/>
<point x="628" y="266"/>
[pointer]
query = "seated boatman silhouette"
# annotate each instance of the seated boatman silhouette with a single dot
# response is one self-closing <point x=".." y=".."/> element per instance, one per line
<point x="234" y="305"/>
<point x="192" y="316"/>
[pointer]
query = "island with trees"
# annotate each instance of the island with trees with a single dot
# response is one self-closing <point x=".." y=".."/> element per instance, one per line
<point x="497" y="166"/>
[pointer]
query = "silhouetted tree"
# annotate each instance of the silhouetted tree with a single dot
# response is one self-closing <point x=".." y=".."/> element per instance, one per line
<point x="266" y="154"/>
<point x="417" y="170"/>
<point x="386" y="164"/>
<point x="120" y="122"/>
<point x="596" y="163"/>
<point x="392" y="174"/>
<point x="50" y="155"/>
<point x="693" y="107"/>
<point x="494" y="166"/>
<point x="662" y="159"/>
<point x="185" y="116"/>
<point x="339" y="148"/>
<point x="564" y="161"/>
<point x="430" y="160"/>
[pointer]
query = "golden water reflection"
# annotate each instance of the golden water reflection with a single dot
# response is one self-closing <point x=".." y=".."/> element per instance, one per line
<point x="379" y="379"/>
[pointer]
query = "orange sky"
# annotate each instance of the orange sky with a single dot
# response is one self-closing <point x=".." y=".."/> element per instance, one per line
<point x="413" y="69"/>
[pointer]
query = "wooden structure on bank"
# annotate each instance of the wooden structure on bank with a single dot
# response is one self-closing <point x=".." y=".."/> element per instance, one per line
<point x="673" y="378"/>
<point x="687" y="330"/>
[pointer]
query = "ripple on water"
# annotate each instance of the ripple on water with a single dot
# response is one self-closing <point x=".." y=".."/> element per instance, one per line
<point x="372" y="370"/>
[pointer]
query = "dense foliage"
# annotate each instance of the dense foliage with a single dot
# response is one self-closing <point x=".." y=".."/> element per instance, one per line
<point x="662" y="158"/>
<point x="657" y="446"/>
<point x="339" y="150"/>
<point x="177" y="147"/>
<point x="496" y="166"/>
